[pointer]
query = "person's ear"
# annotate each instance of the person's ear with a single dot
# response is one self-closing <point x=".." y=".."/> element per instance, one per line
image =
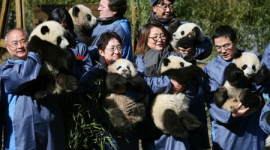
<point x="101" y="53"/>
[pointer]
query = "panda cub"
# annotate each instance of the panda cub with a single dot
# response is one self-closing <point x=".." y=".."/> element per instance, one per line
<point x="245" y="69"/>
<point x="125" y="112"/>
<point x="170" y="111"/>
<point x="49" y="42"/>
<point x="84" y="22"/>
<point x="186" y="36"/>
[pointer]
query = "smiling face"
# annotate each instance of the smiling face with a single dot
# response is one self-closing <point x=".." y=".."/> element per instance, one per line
<point x="158" y="43"/>
<point x="161" y="12"/>
<point x="225" y="47"/>
<point x="113" y="50"/>
<point x="17" y="44"/>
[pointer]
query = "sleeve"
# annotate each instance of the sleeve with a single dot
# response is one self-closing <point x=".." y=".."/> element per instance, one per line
<point x="263" y="122"/>
<point x="203" y="49"/>
<point x="17" y="74"/>
<point x="86" y="62"/>
<point x="266" y="57"/>
<point x="161" y="84"/>
<point x="210" y="86"/>
<point x="125" y="33"/>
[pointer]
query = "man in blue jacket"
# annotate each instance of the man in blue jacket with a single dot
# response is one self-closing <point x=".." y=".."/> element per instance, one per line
<point x="28" y="124"/>
<point x="111" y="18"/>
<point x="232" y="131"/>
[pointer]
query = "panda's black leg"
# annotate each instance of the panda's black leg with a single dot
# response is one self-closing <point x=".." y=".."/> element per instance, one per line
<point x="249" y="99"/>
<point x="189" y="120"/>
<point x="118" y="120"/>
<point x="173" y="124"/>
<point x="67" y="82"/>
<point x="220" y="96"/>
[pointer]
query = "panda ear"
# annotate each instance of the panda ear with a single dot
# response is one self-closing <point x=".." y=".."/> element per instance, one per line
<point x="190" y="59"/>
<point x="75" y="11"/>
<point x="237" y="55"/>
<point x="260" y="57"/>
<point x="166" y="61"/>
<point x="44" y="30"/>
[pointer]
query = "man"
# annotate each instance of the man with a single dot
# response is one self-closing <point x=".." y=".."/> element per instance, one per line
<point x="163" y="13"/>
<point x="28" y="124"/>
<point x="235" y="130"/>
<point x="111" y="18"/>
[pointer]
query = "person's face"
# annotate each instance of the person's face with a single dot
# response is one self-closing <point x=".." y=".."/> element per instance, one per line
<point x="17" y="44"/>
<point x="112" y="51"/>
<point x="164" y="10"/>
<point x="225" y="47"/>
<point x="156" y="39"/>
<point x="104" y="10"/>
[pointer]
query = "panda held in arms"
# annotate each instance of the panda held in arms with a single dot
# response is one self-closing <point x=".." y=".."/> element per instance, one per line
<point x="84" y="22"/>
<point x="49" y="42"/>
<point x="245" y="69"/>
<point x="125" y="111"/>
<point x="170" y="111"/>
<point x="186" y="36"/>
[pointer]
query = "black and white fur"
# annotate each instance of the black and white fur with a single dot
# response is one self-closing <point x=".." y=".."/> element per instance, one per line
<point x="125" y="112"/>
<point x="170" y="111"/>
<point x="84" y="22"/>
<point x="186" y="36"/>
<point x="245" y="66"/>
<point x="49" y="41"/>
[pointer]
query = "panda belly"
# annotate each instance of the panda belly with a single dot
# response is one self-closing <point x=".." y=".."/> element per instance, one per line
<point x="175" y="102"/>
<point x="233" y="92"/>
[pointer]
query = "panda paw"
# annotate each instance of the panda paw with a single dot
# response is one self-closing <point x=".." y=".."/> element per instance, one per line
<point x="262" y="75"/>
<point x="40" y="94"/>
<point x="220" y="96"/>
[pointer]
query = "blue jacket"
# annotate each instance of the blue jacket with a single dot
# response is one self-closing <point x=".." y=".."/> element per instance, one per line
<point x="83" y="62"/>
<point x="122" y="28"/>
<point x="29" y="124"/>
<point x="242" y="133"/>
<point x="263" y="124"/>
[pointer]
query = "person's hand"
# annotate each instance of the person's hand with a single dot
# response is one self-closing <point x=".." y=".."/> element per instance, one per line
<point x="120" y="90"/>
<point x="185" y="52"/>
<point x="177" y="87"/>
<point x="240" y="112"/>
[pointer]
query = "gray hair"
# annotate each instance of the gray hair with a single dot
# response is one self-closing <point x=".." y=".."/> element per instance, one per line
<point x="6" y="37"/>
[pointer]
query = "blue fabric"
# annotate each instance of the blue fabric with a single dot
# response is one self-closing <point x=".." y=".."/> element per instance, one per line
<point x="266" y="57"/>
<point x="263" y="124"/>
<point x="81" y="65"/>
<point x="240" y="133"/>
<point x="28" y="124"/>
<point x="122" y="28"/>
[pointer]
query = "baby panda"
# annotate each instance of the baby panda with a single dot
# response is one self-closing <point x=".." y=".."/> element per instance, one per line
<point x="84" y="22"/>
<point x="245" y="69"/>
<point x="186" y="36"/>
<point x="170" y="111"/>
<point x="48" y="40"/>
<point x="125" y="111"/>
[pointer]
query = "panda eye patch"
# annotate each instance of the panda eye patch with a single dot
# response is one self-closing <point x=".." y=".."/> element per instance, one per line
<point x="59" y="39"/>
<point x="244" y="67"/>
<point x="118" y="68"/>
<point x="182" y="64"/>
<point x="89" y="17"/>
<point x="182" y="32"/>
<point x="253" y="68"/>
<point x="128" y="68"/>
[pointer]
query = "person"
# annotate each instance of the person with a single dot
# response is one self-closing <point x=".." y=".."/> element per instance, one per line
<point x="230" y="130"/>
<point x="153" y="46"/>
<point x="163" y="13"/>
<point x="110" y="48"/>
<point x="28" y="123"/>
<point x="111" y="18"/>
<point x="83" y="62"/>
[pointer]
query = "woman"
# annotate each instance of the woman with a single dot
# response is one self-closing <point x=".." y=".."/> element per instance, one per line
<point x="110" y="48"/>
<point x="153" y="46"/>
<point x="83" y="62"/>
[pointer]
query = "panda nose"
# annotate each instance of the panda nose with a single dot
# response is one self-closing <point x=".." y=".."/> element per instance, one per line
<point x="124" y="70"/>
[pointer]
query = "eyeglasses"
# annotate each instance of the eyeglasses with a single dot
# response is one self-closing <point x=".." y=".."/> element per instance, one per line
<point x="15" y="44"/>
<point x="225" y="46"/>
<point x="164" y="7"/>
<point x="155" y="38"/>
<point x="113" y="49"/>
<point x="101" y="6"/>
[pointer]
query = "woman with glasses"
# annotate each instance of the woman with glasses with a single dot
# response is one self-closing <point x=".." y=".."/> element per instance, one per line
<point x="163" y="13"/>
<point x="110" y="48"/>
<point x="153" y="45"/>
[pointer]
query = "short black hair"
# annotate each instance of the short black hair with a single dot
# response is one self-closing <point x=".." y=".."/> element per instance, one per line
<point x="62" y="15"/>
<point x="120" y="6"/>
<point x="161" y="1"/>
<point x="105" y="38"/>
<point x="224" y="31"/>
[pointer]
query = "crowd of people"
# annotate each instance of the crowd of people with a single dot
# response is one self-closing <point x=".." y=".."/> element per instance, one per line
<point x="38" y="124"/>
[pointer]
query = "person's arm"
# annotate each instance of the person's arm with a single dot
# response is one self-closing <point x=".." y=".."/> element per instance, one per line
<point x="265" y="118"/>
<point x="16" y="74"/>
<point x="84" y="56"/>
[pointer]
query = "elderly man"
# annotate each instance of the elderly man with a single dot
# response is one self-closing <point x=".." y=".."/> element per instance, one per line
<point x="28" y="124"/>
